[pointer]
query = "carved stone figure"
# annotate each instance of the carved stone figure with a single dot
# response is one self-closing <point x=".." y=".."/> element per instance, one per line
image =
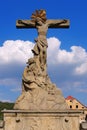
<point x="38" y="92"/>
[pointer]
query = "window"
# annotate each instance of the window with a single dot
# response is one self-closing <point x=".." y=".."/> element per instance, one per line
<point x="70" y="100"/>
<point x="70" y="106"/>
<point x="76" y="106"/>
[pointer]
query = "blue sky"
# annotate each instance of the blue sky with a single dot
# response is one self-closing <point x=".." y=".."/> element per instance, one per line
<point x="67" y="51"/>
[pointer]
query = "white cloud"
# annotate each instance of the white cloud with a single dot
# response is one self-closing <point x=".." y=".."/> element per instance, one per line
<point x="10" y="82"/>
<point x="82" y="69"/>
<point x="53" y="49"/>
<point x="77" y="57"/>
<point x="17" y="51"/>
<point x="68" y="69"/>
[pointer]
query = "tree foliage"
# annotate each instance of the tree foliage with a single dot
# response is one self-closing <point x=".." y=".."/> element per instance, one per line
<point x="5" y="105"/>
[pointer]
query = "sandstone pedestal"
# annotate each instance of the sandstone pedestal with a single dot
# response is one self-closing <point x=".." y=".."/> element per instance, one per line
<point x="41" y="120"/>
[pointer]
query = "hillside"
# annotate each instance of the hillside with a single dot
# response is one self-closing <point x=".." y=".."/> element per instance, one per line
<point x="5" y="105"/>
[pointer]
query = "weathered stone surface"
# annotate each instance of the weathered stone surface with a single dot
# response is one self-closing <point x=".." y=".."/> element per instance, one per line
<point x="40" y="99"/>
<point x="41" y="120"/>
<point x="38" y="92"/>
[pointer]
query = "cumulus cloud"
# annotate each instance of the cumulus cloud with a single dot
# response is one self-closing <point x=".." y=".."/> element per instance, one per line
<point x="81" y="69"/>
<point x="53" y="49"/>
<point x="13" y="57"/>
<point x="68" y="69"/>
<point x="15" y="51"/>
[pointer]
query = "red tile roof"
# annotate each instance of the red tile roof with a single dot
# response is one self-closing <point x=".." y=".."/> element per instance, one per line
<point x="69" y="98"/>
<point x="72" y="98"/>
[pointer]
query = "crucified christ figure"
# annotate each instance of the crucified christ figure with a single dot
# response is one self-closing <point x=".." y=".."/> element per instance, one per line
<point x="40" y="22"/>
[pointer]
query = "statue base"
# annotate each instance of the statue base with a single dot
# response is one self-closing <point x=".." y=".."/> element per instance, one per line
<point x="41" y="120"/>
<point x="40" y="99"/>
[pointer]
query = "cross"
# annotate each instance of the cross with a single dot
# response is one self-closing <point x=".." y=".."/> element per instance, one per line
<point x="41" y="14"/>
<point x="35" y="80"/>
<point x="52" y="23"/>
<point x="40" y="22"/>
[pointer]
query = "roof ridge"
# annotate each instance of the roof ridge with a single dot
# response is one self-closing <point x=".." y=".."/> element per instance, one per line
<point x="69" y="97"/>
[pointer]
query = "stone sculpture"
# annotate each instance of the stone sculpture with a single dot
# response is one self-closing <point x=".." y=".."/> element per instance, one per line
<point x="38" y="92"/>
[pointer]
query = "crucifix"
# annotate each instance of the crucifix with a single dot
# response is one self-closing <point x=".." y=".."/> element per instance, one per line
<point x="35" y="80"/>
<point x="40" y="15"/>
<point x="40" y="22"/>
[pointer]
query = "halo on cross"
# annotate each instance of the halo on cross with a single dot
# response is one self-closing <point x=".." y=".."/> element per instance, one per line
<point x="39" y="15"/>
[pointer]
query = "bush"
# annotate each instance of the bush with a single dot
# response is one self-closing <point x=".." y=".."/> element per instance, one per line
<point x="5" y="105"/>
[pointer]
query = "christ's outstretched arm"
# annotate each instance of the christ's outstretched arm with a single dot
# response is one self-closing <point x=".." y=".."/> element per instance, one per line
<point x="58" y="23"/>
<point x="25" y="24"/>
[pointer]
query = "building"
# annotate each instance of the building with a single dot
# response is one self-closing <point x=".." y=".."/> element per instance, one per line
<point x="73" y="103"/>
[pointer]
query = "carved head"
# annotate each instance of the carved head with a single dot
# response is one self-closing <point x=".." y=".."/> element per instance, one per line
<point x="39" y="15"/>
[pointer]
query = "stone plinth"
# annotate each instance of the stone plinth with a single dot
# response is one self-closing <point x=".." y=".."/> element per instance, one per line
<point x="41" y="120"/>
